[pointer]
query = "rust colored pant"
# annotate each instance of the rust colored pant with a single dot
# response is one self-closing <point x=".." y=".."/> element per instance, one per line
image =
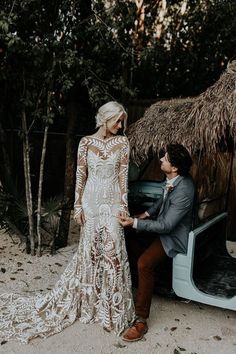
<point x="146" y="262"/>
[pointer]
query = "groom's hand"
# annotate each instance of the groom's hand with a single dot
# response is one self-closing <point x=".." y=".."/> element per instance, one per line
<point x="125" y="220"/>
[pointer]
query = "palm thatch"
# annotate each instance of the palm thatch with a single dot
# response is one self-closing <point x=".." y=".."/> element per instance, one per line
<point x="158" y="127"/>
<point x="200" y="123"/>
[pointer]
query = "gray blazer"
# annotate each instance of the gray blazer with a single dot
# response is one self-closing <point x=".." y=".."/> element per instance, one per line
<point x="172" y="217"/>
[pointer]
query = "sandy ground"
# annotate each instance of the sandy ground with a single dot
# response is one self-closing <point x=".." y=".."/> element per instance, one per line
<point x="175" y="326"/>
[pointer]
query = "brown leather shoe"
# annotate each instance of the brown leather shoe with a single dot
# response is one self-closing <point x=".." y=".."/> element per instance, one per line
<point x="136" y="332"/>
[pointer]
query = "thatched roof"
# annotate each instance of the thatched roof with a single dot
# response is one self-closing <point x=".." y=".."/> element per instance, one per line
<point x="198" y="123"/>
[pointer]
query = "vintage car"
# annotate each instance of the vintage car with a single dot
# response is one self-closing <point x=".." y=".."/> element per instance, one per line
<point x="207" y="272"/>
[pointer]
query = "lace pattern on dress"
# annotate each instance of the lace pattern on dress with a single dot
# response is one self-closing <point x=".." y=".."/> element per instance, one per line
<point x="96" y="284"/>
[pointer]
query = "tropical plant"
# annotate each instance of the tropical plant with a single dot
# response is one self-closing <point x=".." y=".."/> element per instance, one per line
<point x="14" y="219"/>
<point x="61" y="59"/>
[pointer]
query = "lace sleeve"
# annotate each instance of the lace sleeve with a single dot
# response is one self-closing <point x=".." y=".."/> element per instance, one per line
<point x="81" y="176"/>
<point x="123" y="175"/>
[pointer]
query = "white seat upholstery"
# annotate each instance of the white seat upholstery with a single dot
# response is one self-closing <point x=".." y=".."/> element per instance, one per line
<point x="182" y="281"/>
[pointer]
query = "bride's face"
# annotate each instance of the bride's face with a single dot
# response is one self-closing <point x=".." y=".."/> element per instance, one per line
<point x="115" y="124"/>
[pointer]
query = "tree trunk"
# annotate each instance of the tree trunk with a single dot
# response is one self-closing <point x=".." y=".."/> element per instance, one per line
<point x="70" y="167"/>
<point x="28" y="190"/>
<point x="40" y="188"/>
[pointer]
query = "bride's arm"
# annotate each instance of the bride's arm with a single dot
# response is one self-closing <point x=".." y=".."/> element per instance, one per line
<point x="81" y="177"/>
<point x="123" y="175"/>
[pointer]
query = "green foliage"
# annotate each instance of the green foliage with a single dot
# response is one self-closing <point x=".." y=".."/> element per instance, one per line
<point x="49" y="47"/>
<point x="192" y="50"/>
<point x="53" y="51"/>
<point x="13" y="212"/>
<point x="14" y="216"/>
<point x="51" y="212"/>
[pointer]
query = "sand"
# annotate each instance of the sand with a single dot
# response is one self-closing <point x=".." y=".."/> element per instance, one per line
<point x="175" y="326"/>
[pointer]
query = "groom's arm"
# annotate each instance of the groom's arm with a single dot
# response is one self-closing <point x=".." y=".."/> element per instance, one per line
<point x="152" y="211"/>
<point x="167" y="222"/>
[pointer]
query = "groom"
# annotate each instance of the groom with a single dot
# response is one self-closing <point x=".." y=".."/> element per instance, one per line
<point x="168" y="223"/>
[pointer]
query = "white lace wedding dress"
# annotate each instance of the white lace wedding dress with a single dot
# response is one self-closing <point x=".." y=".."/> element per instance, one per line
<point x="96" y="285"/>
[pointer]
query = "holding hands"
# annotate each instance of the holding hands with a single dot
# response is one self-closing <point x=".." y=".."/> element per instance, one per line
<point x="123" y="216"/>
<point x="126" y="220"/>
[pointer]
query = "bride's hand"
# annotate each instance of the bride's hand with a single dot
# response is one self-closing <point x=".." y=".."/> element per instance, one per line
<point x="124" y="212"/>
<point x="79" y="218"/>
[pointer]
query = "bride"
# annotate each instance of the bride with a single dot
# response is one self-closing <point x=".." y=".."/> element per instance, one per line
<point x="96" y="284"/>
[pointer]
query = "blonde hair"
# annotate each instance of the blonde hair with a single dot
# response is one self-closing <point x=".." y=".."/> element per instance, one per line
<point x="108" y="111"/>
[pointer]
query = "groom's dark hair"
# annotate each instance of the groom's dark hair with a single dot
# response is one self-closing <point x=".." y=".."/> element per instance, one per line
<point x="179" y="157"/>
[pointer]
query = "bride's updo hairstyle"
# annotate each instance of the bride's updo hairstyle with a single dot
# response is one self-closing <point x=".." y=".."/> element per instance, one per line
<point x="108" y="111"/>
